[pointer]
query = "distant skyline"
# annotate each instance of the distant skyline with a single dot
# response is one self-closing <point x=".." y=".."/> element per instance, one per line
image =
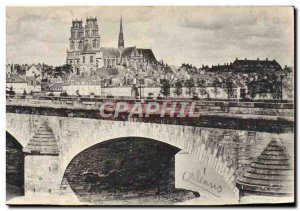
<point x="194" y="35"/>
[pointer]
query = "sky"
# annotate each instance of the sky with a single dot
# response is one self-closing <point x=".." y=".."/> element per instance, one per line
<point x="194" y="35"/>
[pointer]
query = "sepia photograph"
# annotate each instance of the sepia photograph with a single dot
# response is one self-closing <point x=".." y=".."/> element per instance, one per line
<point x="150" y="105"/>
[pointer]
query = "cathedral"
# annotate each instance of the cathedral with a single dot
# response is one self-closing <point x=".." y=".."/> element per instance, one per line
<point x="85" y="53"/>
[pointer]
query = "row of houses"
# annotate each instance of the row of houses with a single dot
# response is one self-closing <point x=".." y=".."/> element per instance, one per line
<point x="117" y="81"/>
<point x="19" y="84"/>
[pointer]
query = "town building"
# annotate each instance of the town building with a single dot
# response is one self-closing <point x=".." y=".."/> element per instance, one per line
<point x="83" y="85"/>
<point x="15" y="83"/>
<point x="19" y="84"/>
<point x="257" y="65"/>
<point x="248" y="66"/>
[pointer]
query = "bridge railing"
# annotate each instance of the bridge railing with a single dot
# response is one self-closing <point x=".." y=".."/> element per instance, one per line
<point x="227" y="108"/>
<point x="249" y="103"/>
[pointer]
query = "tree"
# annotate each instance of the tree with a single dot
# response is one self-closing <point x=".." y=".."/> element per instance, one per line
<point x="190" y="85"/>
<point x="287" y="87"/>
<point x="165" y="88"/>
<point x="216" y="83"/>
<point x="252" y="87"/>
<point x="200" y="83"/>
<point x="266" y="83"/>
<point x="67" y="69"/>
<point x="275" y="86"/>
<point x="11" y="91"/>
<point x="229" y="87"/>
<point x="202" y="92"/>
<point x="47" y="70"/>
<point x="178" y="88"/>
<point x="20" y="69"/>
<point x="63" y="94"/>
<point x="63" y="70"/>
<point x="150" y="94"/>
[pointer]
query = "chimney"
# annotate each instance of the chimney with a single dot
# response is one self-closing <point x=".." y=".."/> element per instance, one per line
<point x="245" y="59"/>
<point x="267" y="59"/>
<point x="257" y="59"/>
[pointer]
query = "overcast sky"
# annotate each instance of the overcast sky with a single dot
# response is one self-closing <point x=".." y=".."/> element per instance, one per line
<point x="196" y="35"/>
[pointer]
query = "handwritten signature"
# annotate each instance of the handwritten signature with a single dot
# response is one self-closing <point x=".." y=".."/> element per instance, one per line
<point x="199" y="179"/>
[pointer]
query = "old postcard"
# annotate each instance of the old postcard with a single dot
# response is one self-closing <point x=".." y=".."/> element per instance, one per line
<point x="149" y="105"/>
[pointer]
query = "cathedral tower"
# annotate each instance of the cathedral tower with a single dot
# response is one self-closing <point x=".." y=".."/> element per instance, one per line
<point x="76" y="36"/>
<point x="121" y="37"/>
<point x="91" y="35"/>
<point x="91" y="47"/>
<point x="76" y="43"/>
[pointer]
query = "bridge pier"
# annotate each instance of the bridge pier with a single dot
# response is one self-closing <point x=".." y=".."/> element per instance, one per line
<point x="41" y="175"/>
<point x="41" y="164"/>
<point x="270" y="175"/>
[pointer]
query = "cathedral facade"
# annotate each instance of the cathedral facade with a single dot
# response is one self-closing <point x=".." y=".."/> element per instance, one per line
<point x="86" y="55"/>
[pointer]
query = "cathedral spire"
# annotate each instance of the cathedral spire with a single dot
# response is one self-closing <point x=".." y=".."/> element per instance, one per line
<point x="121" y="38"/>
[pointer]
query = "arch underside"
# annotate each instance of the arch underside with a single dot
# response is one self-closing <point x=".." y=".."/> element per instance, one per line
<point x="125" y="166"/>
<point x="14" y="167"/>
<point x="109" y="168"/>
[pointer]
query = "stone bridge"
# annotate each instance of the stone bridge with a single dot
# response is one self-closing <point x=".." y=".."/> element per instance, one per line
<point x="74" y="135"/>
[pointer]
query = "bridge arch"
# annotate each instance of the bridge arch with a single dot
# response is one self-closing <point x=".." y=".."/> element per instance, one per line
<point x="14" y="167"/>
<point x="189" y="139"/>
<point x="22" y="126"/>
<point x="124" y="165"/>
<point x="10" y="139"/>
